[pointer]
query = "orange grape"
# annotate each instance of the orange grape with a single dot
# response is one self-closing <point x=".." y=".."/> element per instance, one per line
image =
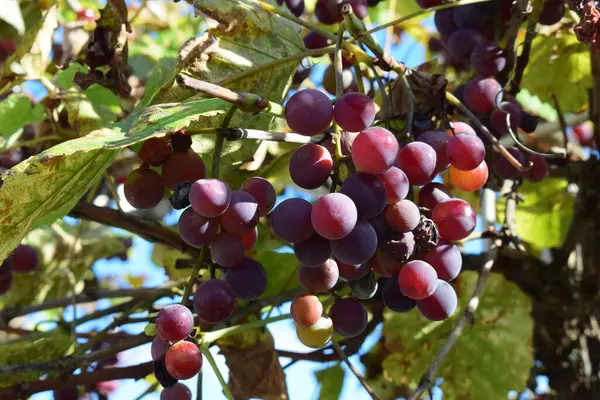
<point x="469" y="181"/>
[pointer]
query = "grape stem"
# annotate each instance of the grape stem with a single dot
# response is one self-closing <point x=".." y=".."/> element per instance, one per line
<point x="358" y="375"/>
<point x="526" y="149"/>
<point x="501" y="149"/>
<point x="211" y="337"/>
<point x="337" y="62"/>
<point x="203" y="258"/>
<point x="211" y="360"/>
<point x="467" y="317"/>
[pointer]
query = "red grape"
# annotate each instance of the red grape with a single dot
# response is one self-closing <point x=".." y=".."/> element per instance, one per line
<point x="394" y="299"/>
<point x="455" y="219"/>
<point x="183" y="167"/>
<point x="334" y="216"/>
<point x="181" y="141"/>
<point x="210" y="197"/>
<point x="504" y="169"/>
<point x="552" y="12"/>
<point x="309" y="112"/>
<point x="291" y="220"/>
<point x="177" y="392"/>
<point x="313" y="251"/>
<point x="418" y="161"/>
<point x="584" y="133"/>
<point x="402" y="216"/>
<point x="159" y="347"/>
<point x="25" y="259"/>
<point x="249" y="239"/>
<point x="428" y="3"/>
<point x="183" y="360"/>
<point x="358" y="246"/>
<point x="306" y="309"/>
<point x="214" y="300"/>
<point x="144" y="188"/>
<point x="310" y="166"/>
<point x="396" y="184"/>
<point x="296" y="7"/>
<point x="329" y="12"/>
<point x="441" y="304"/>
<point x="417" y="279"/>
<point x="433" y="194"/>
<point x="367" y="192"/>
<point x="154" y="151"/>
<point x="465" y="152"/>
<point x="264" y="193"/>
<point x="248" y="279"/>
<point x="320" y="278"/>
<point x="227" y="249"/>
<point x="314" y="41"/>
<point x="354" y="112"/>
<point x="539" y="169"/>
<point x="375" y="150"/>
<point x="242" y="214"/>
<point x="352" y="272"/>
<point x="460" y="127"/>
<point x="376" y="266"/>
<point x="446" y="259"/>
<point x="175" y="322"/>
<point x="196" y="230"/>
<point x="482" y="94"/>
<point x="472" y="180"/>
<point x="349" y="317"/>
<point x="499" y="114"/>
<point x="438" y="141"/>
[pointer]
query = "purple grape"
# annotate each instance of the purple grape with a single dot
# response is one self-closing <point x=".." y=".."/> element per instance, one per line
<point x="227" y="249"/>
<point x="482" y="94"/>
<point x="349" y="317"/>
<point x="159" y="347"/>
<point x="395" y="252"/>
<point x="309" y="112"/>
<point x="446" y="259"/>
<point x="465" y="152"/>
<point x="433" y="194"/>
<point x="462" y="42"/>
<point x="394" y="299"/>
<point x="25" y="259"/>
<point x="264" y="193"/>
<point x="444" y="21"/>
<point x="539" y="169"/>
<point x="552" y="12"/>
<point x="334" y="216"/>
<point x="498" y="118"/>
<point x="313" y="251"/>
<point x="314" y="41"/>
<point x="472" y="16"/>
<point x="175" y="322"/>
<point x="319" y="279"/>
<point x="214" y="300"/>
<point x="396" y="184"/>
<point x="144" y="188"/>
<point x="291" y="220"/>
<point x="196" y="230"/>
<point x="505" y="169"/>
<point x="354" y="112"/>
<point x="367" y="192"/>
<point x="178" y="392"/>
<point x="242" y="214"/>
<point x="441" y="304"/>
<point x="488" y="59"/>
<point x="528" y="122"/>
<point x="418" y="161"/>
<point x="247" y="279"/>
<point x="358" y="246"/>
<point x="437" y="140"/>
<point x="381" y="228"/>
<point x="352" y="272"/>
<point x="296" y="7"/>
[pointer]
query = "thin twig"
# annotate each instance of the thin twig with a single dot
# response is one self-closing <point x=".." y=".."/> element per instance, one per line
<point x="337" y="62"/>
<point x="358" y="375"/>
<point x="467" y="317"/>
<point x="561" y="121"/>
<point x="518" y="10"/>
<point x="501" y="149"/>
<point x="211" y="360"/>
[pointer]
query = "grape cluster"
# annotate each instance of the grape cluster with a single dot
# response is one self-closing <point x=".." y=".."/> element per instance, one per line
<point x="329" y="12"/>
<point x="369" y="226"/>
<point x="22" y="260"/>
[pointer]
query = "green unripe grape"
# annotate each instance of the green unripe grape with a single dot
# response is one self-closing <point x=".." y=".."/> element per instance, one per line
<point x="317" y="335"/>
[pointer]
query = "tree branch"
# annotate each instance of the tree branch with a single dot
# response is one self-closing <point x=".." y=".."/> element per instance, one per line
<point x="358" y="375"/>
<point x="88" y="296"/>
<point x="149" y="230"/>
<point x="69" y="380"/>
<point x="467" y="317"/>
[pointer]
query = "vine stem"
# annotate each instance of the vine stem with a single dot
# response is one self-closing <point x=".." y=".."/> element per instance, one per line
<point x="211" y="360"/>
<point x="187" y="291"/>
<point x="211" y="337"/>
<point x="467" y="317"/>
<point x="358" y="375"/>
<point x="501" y="149"/>
<point x="337" y="62"/>
<point x="526" y="149"/>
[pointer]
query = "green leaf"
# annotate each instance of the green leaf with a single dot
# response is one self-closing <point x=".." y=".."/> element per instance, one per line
<point x="282" y="272"/>
<point x="559" y="65"/>
<point x="166" y="257"/>
<point x="66" y="252"/>
<point x="160" y="75"/>
<point x="16" y="111"/>
<point x="331" y="381"/>
<point x="532" y="104"/>
<point x="544" y="216"/>
<point x="502" y="326"/>
<point x="37" y="59"/>
<point x="36" y="347"/>
<point x="65" y="77"/>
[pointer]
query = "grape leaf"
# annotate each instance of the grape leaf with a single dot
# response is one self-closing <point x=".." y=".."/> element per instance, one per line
<point x="502" y="325"/>
<point x="331" y="380"/>
<point x="566" y="67"/>
<point x="66" y="252"/>
<point x="35" y="347"/>
<point x="543" y="218"/>
<point x="16" y="111"/>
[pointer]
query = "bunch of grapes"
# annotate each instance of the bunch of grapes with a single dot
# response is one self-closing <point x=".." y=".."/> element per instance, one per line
<point x="329" y="12"/>
<point x="23" y="259"/>
<point x="369" y="227"/>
